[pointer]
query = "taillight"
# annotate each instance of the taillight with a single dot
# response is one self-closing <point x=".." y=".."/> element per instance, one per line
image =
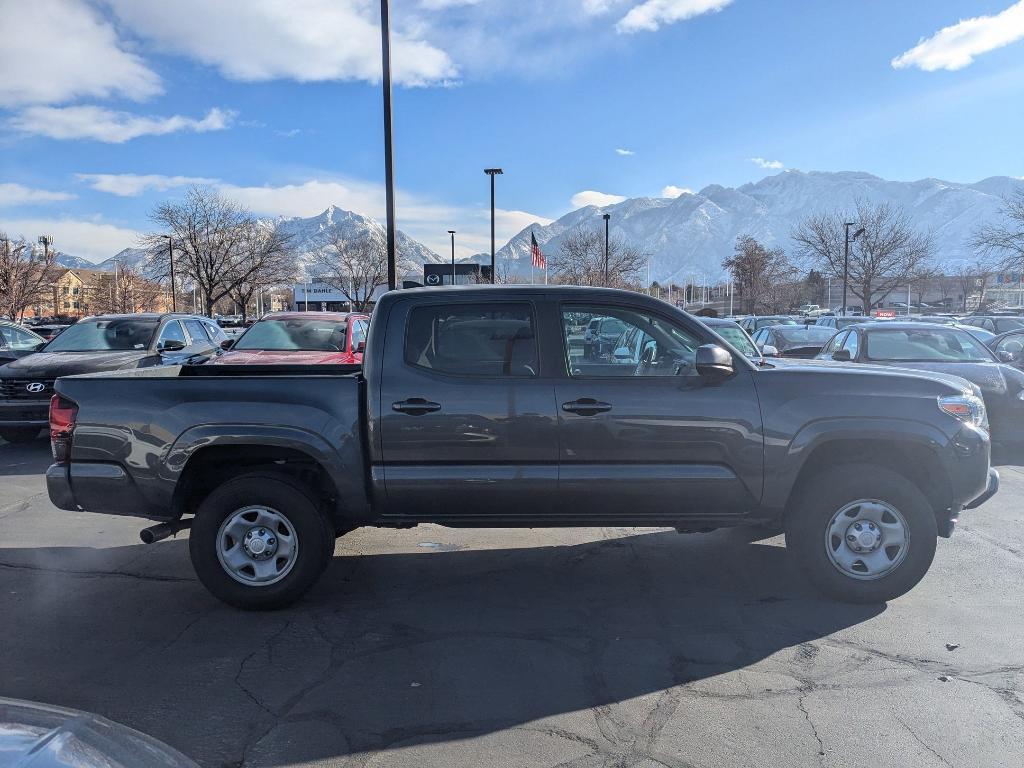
<point x="62" y="426"/>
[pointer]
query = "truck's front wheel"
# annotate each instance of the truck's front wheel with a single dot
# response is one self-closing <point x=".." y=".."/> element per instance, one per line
<point x="259" y="542"/>
<point x="862" y="533"/>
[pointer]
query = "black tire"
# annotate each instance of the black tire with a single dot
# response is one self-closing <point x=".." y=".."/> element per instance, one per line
<point x="289" y="498"/>
<point x="19" y="434"/>
<point x="807" y="523"/>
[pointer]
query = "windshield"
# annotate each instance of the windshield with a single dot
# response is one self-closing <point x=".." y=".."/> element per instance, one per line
<point x="736" y="336"/>
<point x="765" y="321"/>
<point x="925" y="345"/>
<point x="122" y="333"/>
<point x="292" y="335"/>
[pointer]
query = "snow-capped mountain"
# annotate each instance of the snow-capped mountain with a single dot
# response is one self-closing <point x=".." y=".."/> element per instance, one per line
<point x="692" y="234"/>
<point x="310" y="235"/>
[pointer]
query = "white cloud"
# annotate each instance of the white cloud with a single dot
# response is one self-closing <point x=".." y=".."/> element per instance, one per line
<point x="624" y="152"/>
<point x="590" y="197"/>
<point x="768" y="165"/>
<point x="649" y="15"/>
<point x="57" y="50"/>
<point x="133" y="185"/>
<point x="673" y="191"/>
<point x="955" y="47"/>
<point x="17" y="194"/>
<point x="99" y="124"/>
<point x="308" y="41"/>
<point x="90" y="239"/>
<point x="442" y="5"/>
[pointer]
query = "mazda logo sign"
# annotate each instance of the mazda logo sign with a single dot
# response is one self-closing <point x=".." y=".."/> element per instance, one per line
<point x="35" y="386"/>
<point x="433" y="279"/>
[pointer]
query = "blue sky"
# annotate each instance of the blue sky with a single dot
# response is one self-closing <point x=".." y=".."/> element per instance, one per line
<point x="109" y="106"/>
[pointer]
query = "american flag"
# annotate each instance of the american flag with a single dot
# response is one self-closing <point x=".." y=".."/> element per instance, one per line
<point x="537" y="258"/>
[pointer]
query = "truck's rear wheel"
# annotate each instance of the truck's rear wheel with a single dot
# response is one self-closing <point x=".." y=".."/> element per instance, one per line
<point x="862" y="533"/>
<point x="19" y="434"/>
<point x="259" y="541"/>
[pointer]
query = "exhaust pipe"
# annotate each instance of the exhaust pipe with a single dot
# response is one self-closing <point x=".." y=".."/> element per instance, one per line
<point x="162" y="531"/>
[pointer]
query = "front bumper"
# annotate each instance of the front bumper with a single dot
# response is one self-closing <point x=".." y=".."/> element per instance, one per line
<point x="990" y="490"/>
<point x="24" y="413"/>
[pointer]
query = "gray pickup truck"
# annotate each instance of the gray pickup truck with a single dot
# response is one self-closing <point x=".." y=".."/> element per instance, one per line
<point x="479" y="406"/>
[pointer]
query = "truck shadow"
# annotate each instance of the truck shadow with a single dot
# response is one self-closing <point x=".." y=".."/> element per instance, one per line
<point x="406" y="648"/>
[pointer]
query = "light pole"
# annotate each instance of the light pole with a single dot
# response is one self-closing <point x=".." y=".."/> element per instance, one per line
<point x="389" y="158"/>
<point x="170" y="254"/>
<point x="607" y="217"/>
<point x="492" y="172"/>
<point x="846" y="259"/>
<point x="452" y="233"/>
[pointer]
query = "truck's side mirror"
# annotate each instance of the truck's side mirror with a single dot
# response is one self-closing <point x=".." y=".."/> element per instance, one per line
<point x="1006" y="356"/>
<point x="842" y="355"/>
<point x="227" y="344"/>
<point x="713" y="362"/>
<point x="171" y="345"/>
<point x="769" y="351"/>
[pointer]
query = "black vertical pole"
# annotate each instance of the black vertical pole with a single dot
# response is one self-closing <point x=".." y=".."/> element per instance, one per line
<point x="170" y="253"/>
<point x="846" y="263"/>
<point x="452" y="233"/>
<point x="606" y="217"/>
<point x="389" y="160"/>
<point x="492" y="227"/>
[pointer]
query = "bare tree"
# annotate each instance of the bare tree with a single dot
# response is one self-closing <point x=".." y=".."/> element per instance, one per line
<point x="764" y="277"/>
<point x="213" y="244"/>
<point x="884" y="257"/>
<point x="580" y="260"/>
<point x="124" y="291"/>
<point x="25" y="275"/>
<point x="1003" y="242"/>
<point x="353" y="267"/>
<point x="270" y="251"/>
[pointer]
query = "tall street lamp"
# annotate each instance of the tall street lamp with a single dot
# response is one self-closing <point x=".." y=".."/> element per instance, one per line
<point x="846" y="259"/>
<point x="492" y="172"/>
<point x="606" y="217"/>
<point x="170" y="254"/>
<point x="389" y="158"/>
<point x="452" y="233"/>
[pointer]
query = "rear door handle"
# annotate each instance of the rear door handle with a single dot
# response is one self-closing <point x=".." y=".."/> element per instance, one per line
<point x="586" y="406"/>
<point x="415" y="406"/>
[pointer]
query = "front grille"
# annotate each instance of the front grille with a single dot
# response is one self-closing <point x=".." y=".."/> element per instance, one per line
<point x="17" y="389"/>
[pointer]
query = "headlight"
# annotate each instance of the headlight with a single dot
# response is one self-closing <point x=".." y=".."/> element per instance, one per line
<point x="967" y="408"/>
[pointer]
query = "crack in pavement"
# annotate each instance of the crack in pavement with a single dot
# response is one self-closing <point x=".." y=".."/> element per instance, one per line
<point x="93" y="574"/>
<point x="807" y="716"/>
<point x="924" y="744"/>
<point x="992" y="540"/>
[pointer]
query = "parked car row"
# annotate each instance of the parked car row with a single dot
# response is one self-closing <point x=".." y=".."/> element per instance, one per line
<point x="29" y="364"/>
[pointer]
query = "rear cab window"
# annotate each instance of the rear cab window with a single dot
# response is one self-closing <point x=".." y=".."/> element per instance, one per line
<point x="493" y="340"/>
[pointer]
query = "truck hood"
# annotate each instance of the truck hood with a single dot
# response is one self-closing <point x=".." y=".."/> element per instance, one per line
<point x="51" y="365"/>
<point x="832" y="367"/>
<point x="993" y="379"/>
<point x="272" y="357"/>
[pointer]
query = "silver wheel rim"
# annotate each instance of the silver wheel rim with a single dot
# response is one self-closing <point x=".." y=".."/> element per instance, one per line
<point x="257" y="546"/>
<point x="867" y="539"/>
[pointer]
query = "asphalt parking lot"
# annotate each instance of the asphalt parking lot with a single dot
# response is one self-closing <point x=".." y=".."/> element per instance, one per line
<point x="589" y="647"/>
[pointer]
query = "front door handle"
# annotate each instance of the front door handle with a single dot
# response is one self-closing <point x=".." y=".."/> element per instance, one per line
<point x="415" y="406"/>
<point x="586" y="406"/>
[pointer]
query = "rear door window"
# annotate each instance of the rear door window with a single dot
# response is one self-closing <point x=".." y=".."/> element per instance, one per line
<point x="196" y="331"/>
<point x="495" y="340"/>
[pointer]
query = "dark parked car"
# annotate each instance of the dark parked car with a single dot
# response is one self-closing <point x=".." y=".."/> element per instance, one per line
<point x="995" y="323"/>
<point x="731" y="331"/>
<point x="300" y="338"/>
<point x="49" y="330"/>
<point x="793" y="341"/>
<point x="837" y="323"/>
<point x="927" y="347"/>
<point x="753" y="323"/>
<point x="17" y="341"/>
<point x="1009" y="348"/>
<point x="472" y="409"/>
<point x="102" y="343"/>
